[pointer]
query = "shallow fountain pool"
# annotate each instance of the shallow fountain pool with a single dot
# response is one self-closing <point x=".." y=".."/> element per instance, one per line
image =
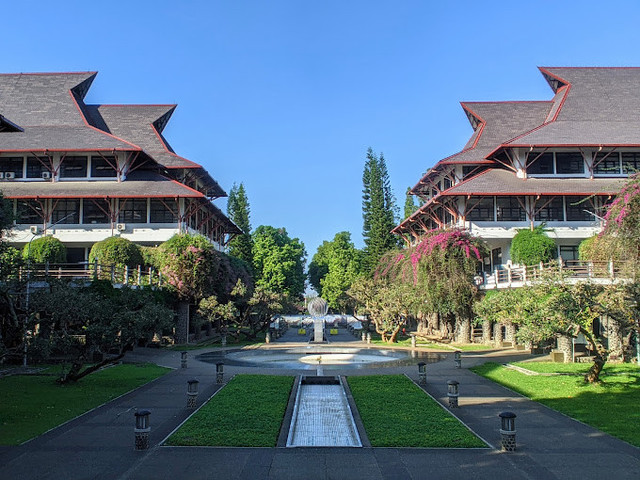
<point x="308" y="358"/>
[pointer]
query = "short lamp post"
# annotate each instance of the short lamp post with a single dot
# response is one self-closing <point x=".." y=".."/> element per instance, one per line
<point x="457" y="358"/>
<point x="192" y="393"/>
<point x="422" y="373"/>
<point x="413" y="341"/>
<point x="368" y="337"/>
<point x="183" y="359"/>
<point x="452" y="393"/>
<point x="219" y="372"/>
<point x="267" y="337"/>
<point x="508" y="431"/>
<point x="364" y="337"/>
<point x="142" y="429"/>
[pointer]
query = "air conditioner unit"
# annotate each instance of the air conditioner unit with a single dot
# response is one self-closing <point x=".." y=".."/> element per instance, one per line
<point x="45" y="175"/>
<point x="121" y="227"/>
<point x="9" y="175"/>
<point x="35" y="229"/>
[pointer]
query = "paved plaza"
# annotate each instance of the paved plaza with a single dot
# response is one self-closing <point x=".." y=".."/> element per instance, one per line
<point x="100" y="444"/>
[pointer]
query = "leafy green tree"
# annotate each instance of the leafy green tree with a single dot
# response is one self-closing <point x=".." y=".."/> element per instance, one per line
<point x="530" y="247"/>
<point x="45" y="249"/>
<point x="116" y="251"/>
<point x="77" y="322"/>
<point x="410" y="206"/>
<point x="378" y="210"/>
<point x="342" y="264"/>
<point x="319" y="266"/>
<point x="239" y="212"/>
<point x="278" y="261"/>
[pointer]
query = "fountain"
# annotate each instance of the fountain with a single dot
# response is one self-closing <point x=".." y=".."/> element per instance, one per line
<point x="318" y="308"/>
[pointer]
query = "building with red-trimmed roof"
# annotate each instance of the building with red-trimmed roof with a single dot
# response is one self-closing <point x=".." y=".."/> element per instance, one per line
<point x="86" y="172"/>
<point x="556" y="162"/>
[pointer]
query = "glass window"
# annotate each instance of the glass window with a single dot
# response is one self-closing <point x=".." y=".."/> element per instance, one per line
<point x="13" y="165"/>
<point x="66" y="211"/>
<point x="482" y="211"/>
<point x="29" y="213"/>
<point x="549" y="210"/>
<point x="509" y="210"/>
<point x="103" y="167"/>
<point x="160" y="213"/>
<point x="630" y="162"/>
<point x="569" y="252"/>
<point x="543" y="165"/>
<point x="95" y="211"/>
<point x="133" y="211"/>
<point x="36" y="165"/>
<point x="73" y="167"/>
<point x="609" y="166"/>
<point x="572" y="162"/>
<point x="578" y="210"/>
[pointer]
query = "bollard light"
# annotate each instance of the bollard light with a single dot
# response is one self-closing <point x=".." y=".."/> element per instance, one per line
<point x="457" y="358"/>
<point x="422" y="373"/>
<point x="192" y="393"/>
<point x="413" y="341"/>
<point x="267" y="338"/>
<point x="368" y="337"/>
<point x="142" y="429"/>
<point x="508" y="431"/>
<point x="364" y="337"/>
<point x="219" y="372"/>
<point x="452" y="393"/>
<point x="183" y="359"/>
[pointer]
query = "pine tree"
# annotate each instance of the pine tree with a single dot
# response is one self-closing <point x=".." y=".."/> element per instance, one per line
<point x="378" y="210"/>
<point x="409" y="204"/>
<point x="239" y="210"/>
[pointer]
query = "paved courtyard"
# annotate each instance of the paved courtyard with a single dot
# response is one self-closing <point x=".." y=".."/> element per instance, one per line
<point x="99" y="444"/>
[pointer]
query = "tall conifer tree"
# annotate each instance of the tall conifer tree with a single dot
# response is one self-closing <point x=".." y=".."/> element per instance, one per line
<point x="238" y="210"/>
<point x="378" y="210"/>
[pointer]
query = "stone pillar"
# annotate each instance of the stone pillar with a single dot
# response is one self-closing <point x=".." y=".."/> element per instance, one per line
<point x="497" y="334"/>
<point x="510" y="333"/>
<point x="486" y="332"/>
<point x="182" y="325"/>
<point x="564" y="346"/>
<point x="614" y="339"/>
<point x="318" y="330"/>
<point x="464" y="331"/>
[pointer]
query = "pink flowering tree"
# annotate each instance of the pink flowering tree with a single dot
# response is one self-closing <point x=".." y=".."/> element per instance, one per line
<point x="431" y="283"/>
<point x="622" y="221"/>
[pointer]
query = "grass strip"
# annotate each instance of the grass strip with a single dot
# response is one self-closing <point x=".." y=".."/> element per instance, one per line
<point x="397" y="413"/>
<point x="247" y="412"/>
<point x="579" y="368"/>
<point x="611" y="406"/>
<point x="33" y="404"/>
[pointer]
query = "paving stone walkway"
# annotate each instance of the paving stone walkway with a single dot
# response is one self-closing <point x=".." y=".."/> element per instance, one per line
<point x="99" y="444"/>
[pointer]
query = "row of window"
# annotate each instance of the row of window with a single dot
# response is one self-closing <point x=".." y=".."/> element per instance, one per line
<point x="97" y="211"/>
<point x="509" y="209"/>
<point x="567" y="163"/>
<point x="72" y="166"/>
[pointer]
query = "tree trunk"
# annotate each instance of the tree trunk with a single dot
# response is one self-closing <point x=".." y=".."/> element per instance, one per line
<point x="75" y="374"/>
<point x="564" y="345"/>
<point x="601" y="355"/>
<point x="182" y="325"/>
<point x="486" y="332"/>
<point x="394" y="334"/>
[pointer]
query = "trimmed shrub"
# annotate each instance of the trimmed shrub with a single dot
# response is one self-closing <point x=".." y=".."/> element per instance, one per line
<point x="530" y="247"/>
<point x="45" y="249"/>
<point x="599" y="249"/>
<point x="116" y="251"/>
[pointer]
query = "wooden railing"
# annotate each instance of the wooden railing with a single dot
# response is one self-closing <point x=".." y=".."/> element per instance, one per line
<point x="118" y="275"/>
<point x="517" y="276"/>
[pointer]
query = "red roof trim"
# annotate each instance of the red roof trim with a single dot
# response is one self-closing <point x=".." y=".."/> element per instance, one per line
<point x="84" y="119"/>
<point x="52" y="195"/>
<point x="195" y="165"/>
<point x="89" y="150"/>
<point x="511" y="194"/>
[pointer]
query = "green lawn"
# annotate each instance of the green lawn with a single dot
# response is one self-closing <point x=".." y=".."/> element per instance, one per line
<point x="405" y="341"/>
<point x="611" y="406"/>
<point x="397" y="413"/>
<point x="33" y="404"/>
<point x="247" y="412"/>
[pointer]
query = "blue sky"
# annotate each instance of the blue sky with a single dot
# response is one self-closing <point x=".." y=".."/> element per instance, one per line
<point x="286" y="96"/>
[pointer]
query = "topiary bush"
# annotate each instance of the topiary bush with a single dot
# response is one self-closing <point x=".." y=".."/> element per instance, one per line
<point x="530" y="247"/>
<point x="45" y="249"/>
<point x="116" y="251"/>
